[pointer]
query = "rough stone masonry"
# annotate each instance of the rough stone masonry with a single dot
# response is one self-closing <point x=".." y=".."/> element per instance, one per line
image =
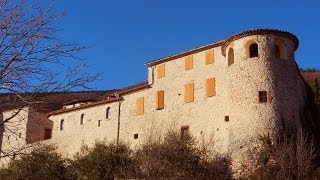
<point x="226" y="93"/>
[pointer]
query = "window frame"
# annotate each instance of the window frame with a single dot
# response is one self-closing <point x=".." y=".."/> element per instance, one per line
<point x="188" y="62"/>
<point x="160" y="100"/>
<point x="230" y="56"/>
<point x="189" y="92"/>
<point x="253" y="50"/>
<point x="210" y="87"/>
<point x="161" y="72"/>
<point x="46" y="136"/>
<point x="108" y="113"/>
<point x="209" y="56"/>
<point x="82" y="119"/>
<point x="184" y="132"/>
<point x="140" y="106"/>
<point x="263" y="96"/>
<point x="61" y="127"/>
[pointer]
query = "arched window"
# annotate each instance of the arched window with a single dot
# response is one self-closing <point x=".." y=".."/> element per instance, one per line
<point x="253" y="50"/>
<point x="108" y="113"/>
<point x="61" y="124"/>
<point x="280" y="50"/>
<point x="82" y="119"/>
<point x="230" y="57"/>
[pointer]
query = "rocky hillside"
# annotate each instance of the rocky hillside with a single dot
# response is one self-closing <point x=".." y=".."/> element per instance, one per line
<point x="46" y="102"/>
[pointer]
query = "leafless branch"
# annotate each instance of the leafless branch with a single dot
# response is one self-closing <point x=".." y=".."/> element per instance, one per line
<point x="34" y="59"/>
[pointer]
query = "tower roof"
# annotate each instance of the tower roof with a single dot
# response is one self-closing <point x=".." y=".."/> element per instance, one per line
<point x="276" y="32"/>
<point x="226" y="42"/>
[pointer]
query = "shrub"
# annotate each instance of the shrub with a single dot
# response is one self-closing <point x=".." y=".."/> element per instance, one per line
<point x="42" y="163"/>
<point x="291" y="157"/>
<point x="174" y="157"/>
<point x="103" y="161"/>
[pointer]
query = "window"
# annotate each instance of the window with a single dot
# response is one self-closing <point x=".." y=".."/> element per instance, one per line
<point x="280" y="49"/>
<point x="211" y="87"/>
<point x="99" y="123"/>
<point x="160" y="100"/>
<point x="140" y="106"/>
<point x="61" y="124"/>
<point x="82" y="119"/>
<point x="160" y="71"/>
<point x="108" y="113"/>
<point x="185" y="133"/>
<point x="189" y="92"/>
<point x="188" y="62"/>
<point x="253" y="50"/>
<point x="226" y="118"/>
<point x="47" y="134"/>
<point x="263" y="96"/>
<point x="230" y="56"/>
<point x="209" y="56"/>
<point x="135" y="136"/>
<point x="20" y="135"/>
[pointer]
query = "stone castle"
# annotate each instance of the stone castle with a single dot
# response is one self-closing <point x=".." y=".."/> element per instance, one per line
<point x="227" y="92"/>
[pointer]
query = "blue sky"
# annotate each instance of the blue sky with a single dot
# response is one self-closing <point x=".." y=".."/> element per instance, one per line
<point x="127" y="34"/>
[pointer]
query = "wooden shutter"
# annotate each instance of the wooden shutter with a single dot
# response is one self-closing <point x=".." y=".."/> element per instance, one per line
<point x="189" y="92"/>
<point x="140" y="106"/>
<point x="209" y="56"/>
<point x="230" y="57"/>
<point x="211" y="87"/>
<point x="188" y="62"/>
<point x="160" y="71"/>
<point x="160" y="100"/>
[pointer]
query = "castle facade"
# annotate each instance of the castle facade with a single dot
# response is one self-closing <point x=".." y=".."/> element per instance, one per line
<point x="228" y="93"/>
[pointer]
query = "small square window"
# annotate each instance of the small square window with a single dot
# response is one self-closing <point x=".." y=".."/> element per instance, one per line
<point x="47" y="134"/>
<point x="185" y="133"/>
<point x="226" y="118"/>
<point x="135" y="136"/>
<point x="263" y="96"/>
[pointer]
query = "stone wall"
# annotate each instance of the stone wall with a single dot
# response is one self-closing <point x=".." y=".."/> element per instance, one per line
<point x="231" y="120"/>
<point x="237" y="96"/>
<point x="14" y="133"/>
<point x="74" y="135"/>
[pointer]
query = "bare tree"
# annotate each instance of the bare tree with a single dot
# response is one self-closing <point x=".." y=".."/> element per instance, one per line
<point x="34" y="59"/>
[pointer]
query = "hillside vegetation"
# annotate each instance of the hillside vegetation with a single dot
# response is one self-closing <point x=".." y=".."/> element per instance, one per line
<point x="286" y="157"/>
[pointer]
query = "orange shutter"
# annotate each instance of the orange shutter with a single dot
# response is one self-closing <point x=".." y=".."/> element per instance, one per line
<point x="140" y="106"/>
<point x="188" y="62"/>
<point x="209" y="56"/>
<point x="160" y="100"/>
<point x="189" y="92"/>
<point x="160" y="71"/>
<point x="230" y="57"/>
<point x="211" y="87"/>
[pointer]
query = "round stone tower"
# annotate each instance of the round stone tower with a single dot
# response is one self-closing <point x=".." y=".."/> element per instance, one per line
<point x="263" y="87"/>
